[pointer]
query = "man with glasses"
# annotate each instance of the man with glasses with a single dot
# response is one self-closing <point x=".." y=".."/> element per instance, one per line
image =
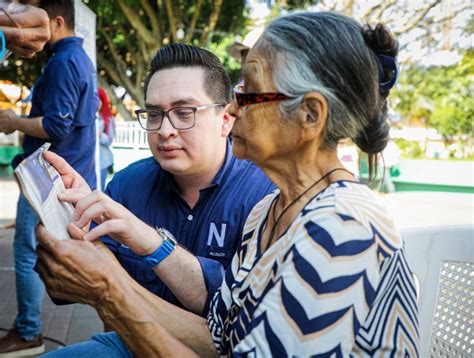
<point x="193" y="191"/>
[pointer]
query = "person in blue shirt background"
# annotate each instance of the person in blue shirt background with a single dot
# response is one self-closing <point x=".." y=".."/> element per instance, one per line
<point x="193" y="189"/>
<point x="63" y="112"/>
<point x="106" y="136"/>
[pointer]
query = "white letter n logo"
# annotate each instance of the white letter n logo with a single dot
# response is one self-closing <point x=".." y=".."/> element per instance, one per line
<point x="214" y="233"/>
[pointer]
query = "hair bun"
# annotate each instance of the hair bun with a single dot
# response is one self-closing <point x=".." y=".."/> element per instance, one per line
<point x="375" y="136"/>
<point x="380" y="40"/>
<point x="384" y="45"/>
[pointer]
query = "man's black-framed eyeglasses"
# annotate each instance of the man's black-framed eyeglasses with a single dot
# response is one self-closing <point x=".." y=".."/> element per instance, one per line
<point x="181" y="118"/>
<point x="246" y="99"/>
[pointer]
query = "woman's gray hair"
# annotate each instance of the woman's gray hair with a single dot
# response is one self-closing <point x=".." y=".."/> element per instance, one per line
<point x="327" y="53"/>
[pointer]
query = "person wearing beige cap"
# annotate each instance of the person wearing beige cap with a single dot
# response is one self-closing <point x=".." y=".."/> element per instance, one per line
<point x="239" y="50"/>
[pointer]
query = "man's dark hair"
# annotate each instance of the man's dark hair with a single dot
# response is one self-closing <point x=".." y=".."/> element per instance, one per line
<point x="216" y="81"/>
<point x="63" y="8"/>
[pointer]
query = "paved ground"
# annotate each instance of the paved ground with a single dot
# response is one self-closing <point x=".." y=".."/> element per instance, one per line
<point x="69" y="324"/>
<point x="423" y="209"/>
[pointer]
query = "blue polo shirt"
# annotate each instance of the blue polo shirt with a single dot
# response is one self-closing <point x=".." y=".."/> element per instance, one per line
<point x="66" y="96"/>
<point x="211" y="230"/>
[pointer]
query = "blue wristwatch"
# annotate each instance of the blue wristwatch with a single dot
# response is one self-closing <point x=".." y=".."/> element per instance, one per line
<point x="163" y="251"/>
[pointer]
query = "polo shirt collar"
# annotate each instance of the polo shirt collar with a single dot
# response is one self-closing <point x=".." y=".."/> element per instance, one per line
<point x="63" y="44"/>
<point x="223" y="169"/>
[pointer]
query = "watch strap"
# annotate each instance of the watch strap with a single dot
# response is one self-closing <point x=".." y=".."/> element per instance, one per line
<point x="163" y="251"/>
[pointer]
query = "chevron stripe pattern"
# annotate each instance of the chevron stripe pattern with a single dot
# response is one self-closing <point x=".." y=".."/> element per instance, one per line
<point x="336" y="284"/>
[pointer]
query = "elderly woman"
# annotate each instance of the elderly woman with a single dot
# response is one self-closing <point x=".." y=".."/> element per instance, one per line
<point x="321" y="269"/>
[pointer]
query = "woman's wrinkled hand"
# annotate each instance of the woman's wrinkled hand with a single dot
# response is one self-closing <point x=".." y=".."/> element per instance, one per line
<point x="26" y="29"/>
<point x="76" y="270"/>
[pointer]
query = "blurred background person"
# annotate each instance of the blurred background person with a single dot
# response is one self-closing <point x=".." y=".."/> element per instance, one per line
<point x="106" y="136"/>
<point x="239" y="50"/>
<point x="63" y="113"/>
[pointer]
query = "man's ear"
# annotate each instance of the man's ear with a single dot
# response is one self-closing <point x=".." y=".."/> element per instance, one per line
<point x="58" y="23"/>
<point x="313" y="113"/>
<point x="228" y="121"/>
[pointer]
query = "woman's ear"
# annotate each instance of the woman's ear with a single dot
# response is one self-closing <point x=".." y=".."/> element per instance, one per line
<point x="314" y="112"/>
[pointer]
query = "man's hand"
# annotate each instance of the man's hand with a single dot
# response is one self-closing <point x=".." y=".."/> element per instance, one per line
<point x="76" y="187"/>
<point x="75" y="270"/>
<point x="7" y="121"/>
<point x="26" y="29"/>
<point x="116" y="221"/>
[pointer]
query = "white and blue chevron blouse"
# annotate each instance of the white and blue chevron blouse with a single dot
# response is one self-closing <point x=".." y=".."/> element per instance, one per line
<point x="336" y="284"/>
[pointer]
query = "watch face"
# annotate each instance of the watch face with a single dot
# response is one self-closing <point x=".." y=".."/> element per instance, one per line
<point x="168" y="236"/>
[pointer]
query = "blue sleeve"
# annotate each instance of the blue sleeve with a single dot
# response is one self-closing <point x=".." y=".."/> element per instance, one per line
<point x="213" y="273"/>
<point x="110" y="243"/>
<point x="60" y="100"/>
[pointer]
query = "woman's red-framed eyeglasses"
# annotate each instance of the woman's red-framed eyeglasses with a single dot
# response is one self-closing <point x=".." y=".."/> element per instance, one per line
<point x="246" y="99"/>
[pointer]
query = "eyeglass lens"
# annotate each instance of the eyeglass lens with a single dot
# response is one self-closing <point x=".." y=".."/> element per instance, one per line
<point x="180" y="118"/>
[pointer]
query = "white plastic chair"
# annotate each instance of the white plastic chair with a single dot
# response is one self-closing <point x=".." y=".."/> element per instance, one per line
<point x="442" y="259"/>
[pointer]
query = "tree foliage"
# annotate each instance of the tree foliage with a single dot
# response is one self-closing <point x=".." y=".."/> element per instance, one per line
<point x="441" y="96"/>
<point x="23" y="71"/>
<point x="130" y="32"/>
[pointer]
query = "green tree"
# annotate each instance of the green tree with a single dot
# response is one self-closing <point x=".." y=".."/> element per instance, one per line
<point x="453" y="112"/>
<point x="130" y="32"/>
<point x="23" y="71"/>
<point x="440" y="95"/>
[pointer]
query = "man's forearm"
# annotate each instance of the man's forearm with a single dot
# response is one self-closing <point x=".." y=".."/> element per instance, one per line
<point x="32" y="127"/>
<point x="182" y="274"/>
<point x="150" y="326"/>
